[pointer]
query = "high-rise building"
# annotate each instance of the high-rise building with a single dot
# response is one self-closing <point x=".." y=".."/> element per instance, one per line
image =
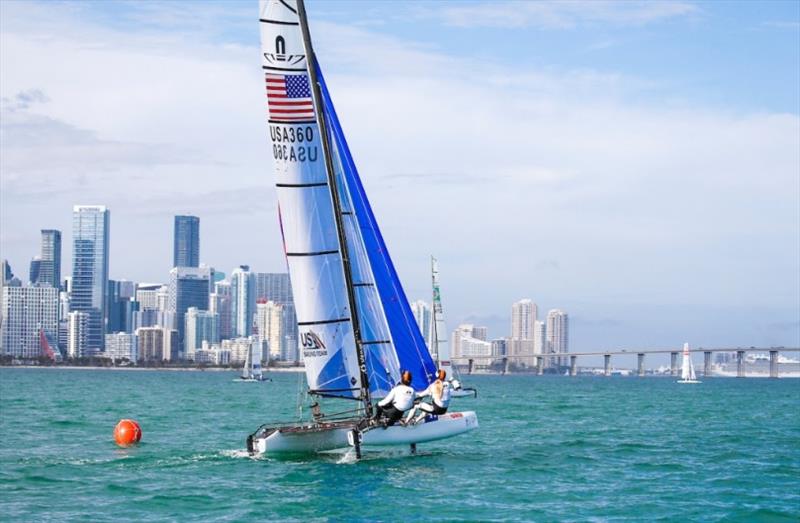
<point x="466" y="346"/>
<point x="480" y="333"/>
<point x="121" y="305"/>
<point x="121" y="346"/>
<point x="499" y="347"/>
<point x="523" y="314"/>
<point x="422" y="313"/>
<point x="90" y="233"/>
<point x="539" y="339"/>
<point x="186" y="244"/>
<point x="220" y="302"/>
<point x="78" y="325"/>
<point x="276" y="287"/>
<point x="188" y="287"/>
<point x="557" y="334"/>
<point x="50" y="264"/>
<point x="243" y="301"/>
<point x="201" y="326"/>
<point x="33" y="272"/>
<point x="269" y="324"/>
<point x="523" y="317"/>
<point x="27" y="312"/>
<point x="157" y="344"/>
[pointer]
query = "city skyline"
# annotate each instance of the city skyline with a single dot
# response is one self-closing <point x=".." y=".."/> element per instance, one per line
<point x="638" y="230"/>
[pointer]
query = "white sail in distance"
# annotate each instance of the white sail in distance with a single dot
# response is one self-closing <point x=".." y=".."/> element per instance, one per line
<point x="440" y="346"/>
<point x="687" y="369"/>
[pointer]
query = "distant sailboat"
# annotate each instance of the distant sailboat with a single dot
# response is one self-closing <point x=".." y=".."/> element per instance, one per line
<point x="440" y="346"/>
<point x="687" y="369"/>
<point x="356" y="330"/>
<point x="251" y="371"/>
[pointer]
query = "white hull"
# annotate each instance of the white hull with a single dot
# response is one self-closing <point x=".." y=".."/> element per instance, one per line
<point x="310" y="440"/>
<point x="432" y="429"/>
<point x="689" y="381"/>
<point x="464" y="393"/>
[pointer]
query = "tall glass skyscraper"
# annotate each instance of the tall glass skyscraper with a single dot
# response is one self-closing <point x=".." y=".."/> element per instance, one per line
<point x="186" y="248"/>
<point x="243" y="301"/>
<point x="188" y="287"/>
<point x="90" y="233"/>
<point x="50" y="265"/>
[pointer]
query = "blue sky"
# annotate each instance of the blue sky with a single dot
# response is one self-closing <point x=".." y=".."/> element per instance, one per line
<point x="633" y="163"/>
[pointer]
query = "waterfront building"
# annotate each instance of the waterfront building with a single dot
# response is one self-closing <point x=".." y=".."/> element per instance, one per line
<point x="188" y="287"/>
<point x="422" y="313"/>
<point x="480" y="333"/>
<point x="238" y="348"/>
<point x="523" y="317"/>
<point x="243" y="301"/>
<point x="219" y="302"/>
<point x="539" y="339"/>
<point x="465" y="345"/>
<point x="121" y="305"/>
<point x="50" y="259"/>
<point x="557" y="334"/>
<point x="186" y="242"/>
<point x="277" y="288"/>
<point x="90" y="234"/>
<point x="201" y="326"/>
<point x="499" y="347"/>
<point x="269" y="326"/>
<point x="157" y="344"/>
<point x="78" y="332"/>
<point x="121" y="346"/>
<point x="27" y="312"/>
<point x="6" y="274"/>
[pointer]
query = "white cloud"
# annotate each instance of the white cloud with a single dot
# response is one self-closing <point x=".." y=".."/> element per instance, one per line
<point x="524" y="182"/>
<point x="563" y="14"/>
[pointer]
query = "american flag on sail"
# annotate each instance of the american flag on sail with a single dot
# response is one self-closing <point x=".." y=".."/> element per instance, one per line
<point x="289" y="98"/>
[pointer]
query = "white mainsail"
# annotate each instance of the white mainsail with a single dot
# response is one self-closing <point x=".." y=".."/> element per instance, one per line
<point x="687" y="368"/>
<point x="308" y="198"/>
<point x="247" y="369"/>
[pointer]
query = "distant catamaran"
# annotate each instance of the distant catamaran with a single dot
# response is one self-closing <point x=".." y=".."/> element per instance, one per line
<point x="251" y="371"/>
<point x="356" y="329"/>
<point x="440" y="346"/>
<point x="687" y="368"/>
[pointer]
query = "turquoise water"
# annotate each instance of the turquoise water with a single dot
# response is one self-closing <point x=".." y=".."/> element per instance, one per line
<point x="549" y="448"/>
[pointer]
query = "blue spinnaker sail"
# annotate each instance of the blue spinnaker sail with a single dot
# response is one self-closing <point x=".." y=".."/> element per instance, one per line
<point x="409" y="345"/>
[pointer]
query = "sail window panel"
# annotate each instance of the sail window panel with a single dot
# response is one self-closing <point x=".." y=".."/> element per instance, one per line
<point x="318" y="288"/>
<point x="330" y="360"/>
<point x="307" y="219"/>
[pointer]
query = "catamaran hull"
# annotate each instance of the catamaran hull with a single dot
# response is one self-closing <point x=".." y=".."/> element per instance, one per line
<point x="311" y="440"/>
<point x="464" y="393"/>
<point x="432" y="429"/>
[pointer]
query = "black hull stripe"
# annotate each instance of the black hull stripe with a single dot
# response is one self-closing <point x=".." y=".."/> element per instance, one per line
<point x="318" y="253"/>
<point x="321" y="322"/>
<point x="302" y="185"/>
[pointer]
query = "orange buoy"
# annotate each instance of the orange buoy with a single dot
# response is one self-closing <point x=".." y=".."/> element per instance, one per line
<point x="127" y="432"/>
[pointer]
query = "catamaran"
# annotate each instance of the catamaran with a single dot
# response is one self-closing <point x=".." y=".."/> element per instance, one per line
<point x="356" y="329"/>
<point x="440" y="346"/>
<point x="687" y="369"/>
<point x="251" y="371"/>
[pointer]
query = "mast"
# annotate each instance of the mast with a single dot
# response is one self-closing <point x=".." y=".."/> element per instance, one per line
<point x="434" y="330"/>
<point x="311" y="60"/>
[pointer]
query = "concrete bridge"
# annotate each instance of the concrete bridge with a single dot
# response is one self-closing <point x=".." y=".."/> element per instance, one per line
<point x="538" y="359"/>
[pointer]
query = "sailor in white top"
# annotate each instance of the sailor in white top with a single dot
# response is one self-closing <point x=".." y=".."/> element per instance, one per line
<point x="400" y="399"/>
<point x="439" y="391"/>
